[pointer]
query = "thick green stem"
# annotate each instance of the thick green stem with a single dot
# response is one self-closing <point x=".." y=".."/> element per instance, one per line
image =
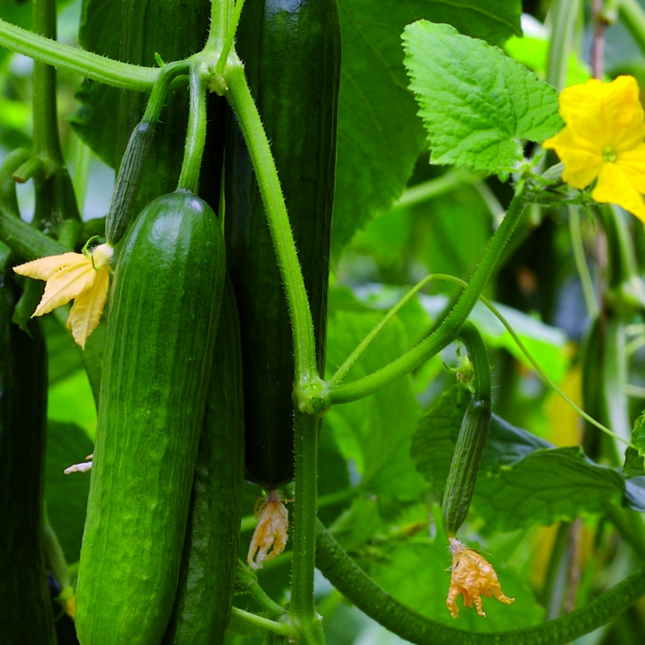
<point x="239" y="616"/>
<point x="196" y="133"/>
<point x="632" y="16"/>
<point x="227" y="44"/>
<point x="46" y="139"/>
<point x="221" y="12"/>
<point x="98" y="68"/>
<point x="450" y="326"/>
<point x="581" y="262"/>
<point x="239" y="96"/>
<point x="360" y="589"/>
<point x="563" y="19"/>
<point x="302" y="610"/>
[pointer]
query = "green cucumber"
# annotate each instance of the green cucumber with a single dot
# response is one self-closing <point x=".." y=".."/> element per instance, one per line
<point x="163" y="309"/>
<point x="472" y="437"/>
<point x="25" y="607"/>
<point x="291" y="52"/>
<point x="209" y="564"/>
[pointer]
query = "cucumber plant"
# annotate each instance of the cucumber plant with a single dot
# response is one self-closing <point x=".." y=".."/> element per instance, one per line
<point x="191" y="401"/>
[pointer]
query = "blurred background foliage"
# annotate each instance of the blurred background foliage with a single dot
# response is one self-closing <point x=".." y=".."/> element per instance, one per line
<point x="383" y="458"/>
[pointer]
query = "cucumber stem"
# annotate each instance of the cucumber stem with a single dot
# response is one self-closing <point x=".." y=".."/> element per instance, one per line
<point x="239" y="96"/>
<point x="302" y="611"/>
<point x="130" y="174"/>
<point x="240" y="615"/>
<point x="360" y="589"/>
<point x="450" y="326"/>
<point x="76" y="60"/>
<point x="632" y="15"/>
<point x="196" y="133"/>
<point x="221" y="11"/>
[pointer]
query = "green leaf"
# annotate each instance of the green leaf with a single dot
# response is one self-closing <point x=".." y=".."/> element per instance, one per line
<point x="476" y="103"/>
<point x="379" y="133"/>
<point x="95" y="122"/>
<point x="375" y="433"/>
<point x="635" y="458"/>
<point x="523" y="480"/>
<point x="418" y="575"/>
<point x="546" y="486"/>
<point x="66" y="495"/>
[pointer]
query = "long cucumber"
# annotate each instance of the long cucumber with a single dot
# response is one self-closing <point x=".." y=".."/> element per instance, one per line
<point x="291" y="52"/>
<point x="163" y="310"/>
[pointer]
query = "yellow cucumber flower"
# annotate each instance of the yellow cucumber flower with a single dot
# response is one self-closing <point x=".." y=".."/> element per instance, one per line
<point x="82" y="277"/>
<point x="472" y="576"/>
<point x="604" y="138"/>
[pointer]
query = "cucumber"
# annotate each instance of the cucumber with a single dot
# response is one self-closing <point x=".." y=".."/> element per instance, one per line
<point x="209" y="564"/>
<point x="472" y="437"/>
<point x="173" y="30"/>
<point x="291" y="52"/>
<point x="163" y="310"/>
<point x="26" y="615"/>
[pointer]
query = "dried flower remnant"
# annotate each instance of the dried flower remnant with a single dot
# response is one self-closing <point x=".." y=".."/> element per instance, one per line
<point x="80" y="468"/>
<point x="472" y="576"/>
<point x="270" y="536"/>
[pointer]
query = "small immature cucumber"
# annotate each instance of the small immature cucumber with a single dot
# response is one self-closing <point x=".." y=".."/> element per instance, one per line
<point x="173" y="30"/>
<point x="291" y="51"/>
<point x="25" y="607"/>
<point x="205" y="591"/>
<point x="471" y="441"/>
<point x="163" y="310"/>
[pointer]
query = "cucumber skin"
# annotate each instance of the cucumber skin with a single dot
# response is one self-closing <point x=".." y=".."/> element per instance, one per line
<point x="205" y="592"/>
<point x="26" y="616"/>
<point x="466" y="459"/>
<point x="164" y="304"/>
<point x="291" y="52"/>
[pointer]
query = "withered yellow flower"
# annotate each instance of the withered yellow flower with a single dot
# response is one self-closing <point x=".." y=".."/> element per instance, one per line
<point x="270" y="536"/>
<point x="82" y="277"/>
<point x="604" y="138"/>
<point x="472" y="576"/>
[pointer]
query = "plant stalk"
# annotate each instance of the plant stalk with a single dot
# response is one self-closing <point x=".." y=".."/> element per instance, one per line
<point x="302" y="610"/>
<point x="239" y="96"/>
<point x="76" y="60"/>
<point x="450" y="326"/>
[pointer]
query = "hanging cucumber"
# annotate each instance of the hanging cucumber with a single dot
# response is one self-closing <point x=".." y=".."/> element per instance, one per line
<point x="25" y="607"/>
<point x="205" y="591"/>
<point x="298" y="104"/>
<point x="472" y="437"/>
<point x="163" y="310"/>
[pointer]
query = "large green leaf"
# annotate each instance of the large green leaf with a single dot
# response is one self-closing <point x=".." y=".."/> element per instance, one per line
<point x="476" y="103"/>
<point x="523" y="480"/>
<point x="66" y="495"/>
<point x="95" y="122"/>
<point x="375" y="433"/>
<point x="379" y="133"/>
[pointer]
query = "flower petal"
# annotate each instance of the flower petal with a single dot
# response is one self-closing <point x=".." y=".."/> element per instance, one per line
<point x="632" y="162"/>
<point x="614" y="187"/>
<point x="44" y="268"/>
<point x="606" y="114"/>
<point x="582" y="161"/>
<point x="66" y="285"/>
<point x="85" y="315"/>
